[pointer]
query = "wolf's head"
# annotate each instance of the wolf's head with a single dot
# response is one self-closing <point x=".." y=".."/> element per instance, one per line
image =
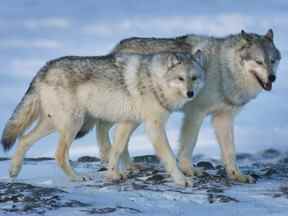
<point x="181" y="74"/>
<point x="258" y="58"/>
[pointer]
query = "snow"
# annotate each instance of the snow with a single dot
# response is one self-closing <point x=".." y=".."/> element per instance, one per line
<point x="134" y="197"/>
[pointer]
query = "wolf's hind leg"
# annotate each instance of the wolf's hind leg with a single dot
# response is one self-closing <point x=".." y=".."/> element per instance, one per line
<point x="62" y="155"/>
<point x="103" y="139"/>
<point x="42" y="129"/>
<point x="189" y="134"/>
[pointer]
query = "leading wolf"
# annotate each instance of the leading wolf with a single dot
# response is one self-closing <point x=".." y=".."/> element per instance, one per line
<point x="126" y="88"/>
<point x="238" y="68"/>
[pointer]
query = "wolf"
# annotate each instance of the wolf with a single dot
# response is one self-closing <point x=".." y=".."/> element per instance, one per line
<point x="238" y="67"/>
<point x="129" y="88"/>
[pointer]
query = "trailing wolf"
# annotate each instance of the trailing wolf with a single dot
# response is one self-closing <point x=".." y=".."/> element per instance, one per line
<point x="69" y="92"/>
<point x="238" y="67"/>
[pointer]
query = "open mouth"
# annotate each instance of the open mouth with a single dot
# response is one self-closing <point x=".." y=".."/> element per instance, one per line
<point x="266" y="86"/>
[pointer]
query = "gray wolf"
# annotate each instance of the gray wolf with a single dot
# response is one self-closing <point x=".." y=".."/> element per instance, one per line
<point x="238" y="67"/>
<point x="69" y="92"/>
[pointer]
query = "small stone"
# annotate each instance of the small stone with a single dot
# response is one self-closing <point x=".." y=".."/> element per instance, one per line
<point x="270" y="153"/>
<point x="146" y="159"/>
<point x="244" y="156"/>
<point x="38" y="159"/>
<point x="206" y="165"/>
<point x="102" y="169"/>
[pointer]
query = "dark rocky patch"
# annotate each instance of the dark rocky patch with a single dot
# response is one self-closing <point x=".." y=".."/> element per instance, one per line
<point x="101" y="169"/>
<point x="220" y="198"/>
<point x="155" y="179"/>
<point x="270" y="153"/>
<point x="27" y="198"/>
<point x="244" y="156"/>
<point x="38" y="159"/>
<point x="146" y="159"/>
<point x="108" y="210"/>
<point x="88" y="159"/>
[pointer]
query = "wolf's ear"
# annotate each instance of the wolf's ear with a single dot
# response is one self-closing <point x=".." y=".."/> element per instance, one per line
<point x="269" y="35"/>
<point x="200" y="57"/>
<point x="245" y="38"/>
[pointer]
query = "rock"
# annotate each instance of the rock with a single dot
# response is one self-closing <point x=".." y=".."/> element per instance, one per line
<point x="284" y="160"/>
<point x="88" y="159"/>
<point x="102" y="169"/>
<point x="108" y="210"/>
<point x="269" y="172"/>
<point x="206" y="165"/>
<point x="220" y="198"/>
<point x="146" y="159"/>
<point x="100" y="210"/>
<point x="244" y="156"/>
<point x="38" y="159"/>
<point x="270" y="154"/>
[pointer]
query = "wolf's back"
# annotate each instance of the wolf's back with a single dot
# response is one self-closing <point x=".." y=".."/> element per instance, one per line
<point x="23" y="116"/>
<point x="152" y="45"/>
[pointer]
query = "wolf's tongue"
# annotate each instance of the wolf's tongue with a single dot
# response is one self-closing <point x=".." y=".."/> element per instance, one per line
<point x="268" y="86"/>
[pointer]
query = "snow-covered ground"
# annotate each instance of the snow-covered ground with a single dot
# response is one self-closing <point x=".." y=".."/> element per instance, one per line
<point x="43" y="189"/>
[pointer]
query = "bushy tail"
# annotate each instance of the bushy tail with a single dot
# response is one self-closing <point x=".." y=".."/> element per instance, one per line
<point x="24" y="115"/>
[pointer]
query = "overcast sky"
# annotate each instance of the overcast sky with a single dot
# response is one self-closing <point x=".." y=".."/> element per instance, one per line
<point x="33" y="32"/>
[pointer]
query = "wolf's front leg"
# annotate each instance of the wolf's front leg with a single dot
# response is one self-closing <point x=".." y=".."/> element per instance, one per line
<point x="223" y="123"/>
<point x="122" y="134"/>
<point x="156" y="133"/>
<point x="189" y="134"/>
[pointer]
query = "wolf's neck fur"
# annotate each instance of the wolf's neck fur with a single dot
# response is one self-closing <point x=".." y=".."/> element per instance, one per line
<point x="158" y="93"/>
<point x="146" y="85"/>
<point x="236" y="88"/>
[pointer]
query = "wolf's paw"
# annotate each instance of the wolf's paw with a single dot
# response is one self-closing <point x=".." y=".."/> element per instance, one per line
<point x="115" y="177"/>
<point x="13" y="172"/>
<point x="238" y="177"/>
<point x="189" y="170"/>
<point x="180" y="179"/>
<point x="183" y="181"/>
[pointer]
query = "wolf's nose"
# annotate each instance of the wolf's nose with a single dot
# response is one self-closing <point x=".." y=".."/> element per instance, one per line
<point x="272" y="78"/>
<point x="190" y="94"/>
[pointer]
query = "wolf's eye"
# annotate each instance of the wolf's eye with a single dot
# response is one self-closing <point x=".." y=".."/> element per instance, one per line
<point x="273" y="61"/>
<point x="181" y="79"/>
<point x="194" y="78"/>
<point x="259" y="62"/>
